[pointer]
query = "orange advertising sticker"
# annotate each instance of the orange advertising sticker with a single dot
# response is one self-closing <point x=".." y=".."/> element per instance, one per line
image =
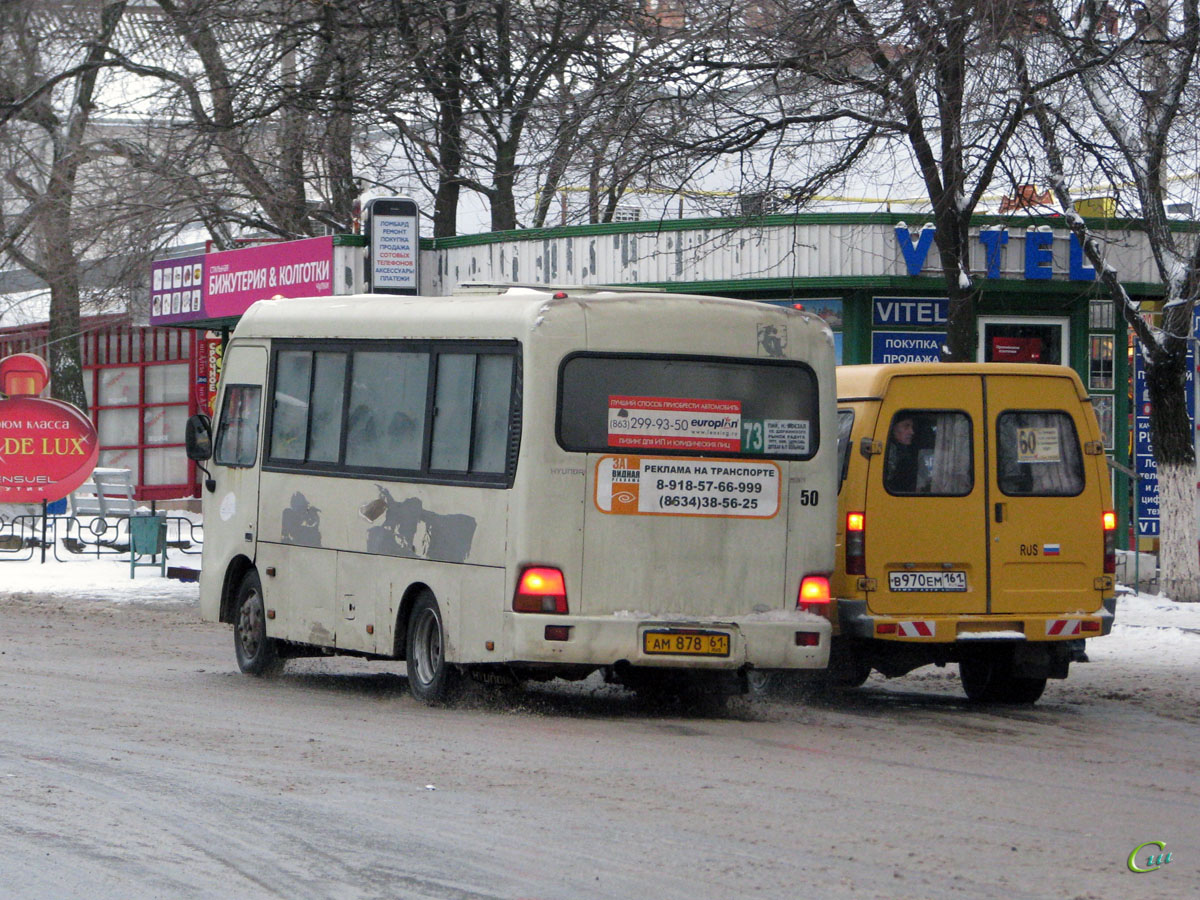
<point x="671" y="486"/>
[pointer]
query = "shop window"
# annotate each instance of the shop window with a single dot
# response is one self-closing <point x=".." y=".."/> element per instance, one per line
<point x="1100" y="361"/>
<point x="167" y="384"/>
<point x="165" y="465"/>
<point x="119" y="387"/>
<point x="125" y="458"/>
<point x="117" y="427"/>
<point x="1100" y="314"/>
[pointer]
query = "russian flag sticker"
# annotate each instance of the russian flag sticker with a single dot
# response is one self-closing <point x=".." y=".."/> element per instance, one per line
<point x="1049" y="549"/>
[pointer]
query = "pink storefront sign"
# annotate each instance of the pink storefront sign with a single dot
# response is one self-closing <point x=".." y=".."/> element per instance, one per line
<point x="234" y="279"/>
<point x="223" y="285"/>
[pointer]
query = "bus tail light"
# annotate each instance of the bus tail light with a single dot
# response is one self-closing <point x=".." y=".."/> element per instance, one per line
<point x="1109" y="520"/>
<point x="856" y="543"/>
<point x="814" y="594"/>
<point x="541" y="590"/>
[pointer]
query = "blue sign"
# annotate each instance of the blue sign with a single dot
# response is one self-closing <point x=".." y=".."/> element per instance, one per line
<point x="1143" y="451"/>
<point x="910" y="311"/>
<point x="1039" y="252"/>
<point x="906" y="346"/>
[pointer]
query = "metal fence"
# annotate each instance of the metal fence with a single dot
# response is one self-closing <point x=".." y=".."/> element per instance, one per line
<point x="63" y="538"/>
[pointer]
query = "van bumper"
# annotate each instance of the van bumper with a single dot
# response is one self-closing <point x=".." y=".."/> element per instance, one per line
<point x="855" y="621"/>
<point x="778" y="640"/>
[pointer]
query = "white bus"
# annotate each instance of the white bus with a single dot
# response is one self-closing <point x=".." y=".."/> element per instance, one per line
<point x="524" y="483"/>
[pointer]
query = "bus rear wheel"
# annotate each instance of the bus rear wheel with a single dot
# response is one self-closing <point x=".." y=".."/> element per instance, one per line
<point x="430" y="678"/>
<point x="256" y="653"/>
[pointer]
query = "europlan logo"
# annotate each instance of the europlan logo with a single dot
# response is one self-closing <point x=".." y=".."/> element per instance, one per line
<point x="1148" y="857"/>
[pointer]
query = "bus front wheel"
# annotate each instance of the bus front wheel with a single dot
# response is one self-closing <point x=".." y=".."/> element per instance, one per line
<point x="430" y="677"/>
<point x="256" y="653"/>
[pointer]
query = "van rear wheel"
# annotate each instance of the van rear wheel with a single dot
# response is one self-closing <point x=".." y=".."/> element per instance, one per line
<point x="430" y="678"/>
<point x="989" y="678"/>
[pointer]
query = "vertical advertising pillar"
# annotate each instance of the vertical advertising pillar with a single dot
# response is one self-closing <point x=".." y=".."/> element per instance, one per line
<point x="392" y="227"/>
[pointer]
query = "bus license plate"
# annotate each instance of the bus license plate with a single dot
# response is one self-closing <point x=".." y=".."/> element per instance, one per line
<point x="927" y="581"/>
<point x="686" y="643"/>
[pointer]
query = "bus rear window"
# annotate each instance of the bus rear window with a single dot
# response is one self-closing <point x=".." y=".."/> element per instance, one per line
<point x="687" y="405"/>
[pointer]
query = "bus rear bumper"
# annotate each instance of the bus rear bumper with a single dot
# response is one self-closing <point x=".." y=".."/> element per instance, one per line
<point x="781" y="640"/>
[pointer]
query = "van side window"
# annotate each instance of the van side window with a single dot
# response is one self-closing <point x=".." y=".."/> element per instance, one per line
<point x="845" y="426"/>
<point x="928" y="452"/>
<point x="1038" y="454"/>
<point x="237" y="432"/>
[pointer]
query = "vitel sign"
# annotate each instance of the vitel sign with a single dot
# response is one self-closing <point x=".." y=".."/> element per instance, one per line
<point x="47" y="447"/>
<point x="1038" y="248"/>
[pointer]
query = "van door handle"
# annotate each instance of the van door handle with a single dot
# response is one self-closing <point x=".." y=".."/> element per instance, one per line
<point x="999" y="512"/>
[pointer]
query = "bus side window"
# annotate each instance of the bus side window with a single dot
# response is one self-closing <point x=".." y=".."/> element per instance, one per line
<point x="237" y="432"/>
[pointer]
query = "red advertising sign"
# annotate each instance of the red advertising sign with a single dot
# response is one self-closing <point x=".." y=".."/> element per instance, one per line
<point x="1016" y="349"/>
<point x="47" y="447"/>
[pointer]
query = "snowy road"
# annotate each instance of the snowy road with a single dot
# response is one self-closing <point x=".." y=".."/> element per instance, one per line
<point x="136" y="762"/>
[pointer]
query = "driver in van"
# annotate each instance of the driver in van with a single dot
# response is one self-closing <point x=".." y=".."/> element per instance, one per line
<point x="900" y="464"/>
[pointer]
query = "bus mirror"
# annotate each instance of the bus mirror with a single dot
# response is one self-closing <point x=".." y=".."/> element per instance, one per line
<point x="198" y="438"/>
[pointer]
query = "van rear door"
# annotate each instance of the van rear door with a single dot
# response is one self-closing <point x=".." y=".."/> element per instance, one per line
<point x="926" y="527"/>
<point x="1047" y="540"/>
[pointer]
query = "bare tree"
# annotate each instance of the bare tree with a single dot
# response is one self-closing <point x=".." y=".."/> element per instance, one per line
<point x="44" y="224"/>
<point x="1137" y="79"/>
<point x="925" y="84"/>
<point x="267" y="93"/>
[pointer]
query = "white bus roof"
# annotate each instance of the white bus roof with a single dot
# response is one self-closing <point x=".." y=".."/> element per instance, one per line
<point x="478" y="311"/>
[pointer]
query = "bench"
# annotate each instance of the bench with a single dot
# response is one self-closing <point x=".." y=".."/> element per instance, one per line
<point x="108" y="493"/>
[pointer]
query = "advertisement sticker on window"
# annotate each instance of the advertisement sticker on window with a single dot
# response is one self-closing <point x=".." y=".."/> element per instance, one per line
<point x="674" y="423"/>
<point x="670" y="486"/>
<point x="1037" y="445"/>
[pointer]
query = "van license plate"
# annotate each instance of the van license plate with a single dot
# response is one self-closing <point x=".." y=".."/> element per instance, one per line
<point x="927" y="581"/>
<point x="686" y="643"/>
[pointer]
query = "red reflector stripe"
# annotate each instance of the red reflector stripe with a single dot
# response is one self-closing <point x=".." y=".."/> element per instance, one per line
<point x="917" y="629"/>
<point x="1059" y="627"/>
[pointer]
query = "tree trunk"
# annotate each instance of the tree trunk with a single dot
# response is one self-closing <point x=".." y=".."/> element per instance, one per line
<point x="504" y="176"/>
<point x="1175" y="463"/>
<point x="1178" y="555"/>
<point x="66" y="367"/>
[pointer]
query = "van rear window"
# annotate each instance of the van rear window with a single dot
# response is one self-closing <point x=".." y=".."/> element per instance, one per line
<point x="687" y="405"/>
<point x="1038" y="454"/>
<point x="929" y="453"/>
